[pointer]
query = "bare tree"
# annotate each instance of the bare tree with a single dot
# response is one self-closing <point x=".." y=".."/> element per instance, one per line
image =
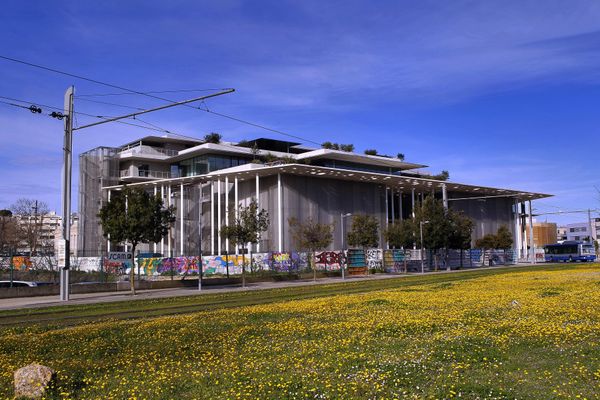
<point x="10" y="234"/>
<point x="30" y="214"/>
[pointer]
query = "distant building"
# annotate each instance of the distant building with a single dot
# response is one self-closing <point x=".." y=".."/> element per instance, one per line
<point x="544" y="233"/>
<point x="561" y="234"/>
<point x="585" y="231"/>
<point x="38" y="233"/>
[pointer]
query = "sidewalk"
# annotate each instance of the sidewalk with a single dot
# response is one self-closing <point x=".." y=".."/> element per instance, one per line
<point x="94" y="298"/>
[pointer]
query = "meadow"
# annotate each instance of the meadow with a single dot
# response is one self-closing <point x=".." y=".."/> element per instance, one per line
<point x="518" y="333"/>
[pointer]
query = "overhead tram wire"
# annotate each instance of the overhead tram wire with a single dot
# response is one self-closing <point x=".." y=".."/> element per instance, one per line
<point x="147" y="94"/>
<point x="154" y="128"/>
<point x="56" y="71"/>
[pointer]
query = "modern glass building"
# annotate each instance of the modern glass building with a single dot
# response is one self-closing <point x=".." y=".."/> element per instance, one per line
<point x="207" y="182"/>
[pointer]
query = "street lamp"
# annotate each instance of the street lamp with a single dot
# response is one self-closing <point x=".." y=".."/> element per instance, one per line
<point x="342" y="216"/>
<point x="421" y="223"/>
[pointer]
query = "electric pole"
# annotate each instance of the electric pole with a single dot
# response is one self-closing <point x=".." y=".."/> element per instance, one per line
<point x="66" y="195"/>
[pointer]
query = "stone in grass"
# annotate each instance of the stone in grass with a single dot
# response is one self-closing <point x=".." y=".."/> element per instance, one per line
<point x="32" y="381"/>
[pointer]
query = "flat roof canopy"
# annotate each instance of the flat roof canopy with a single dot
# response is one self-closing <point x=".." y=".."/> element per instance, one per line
<point x="399" y="182"/>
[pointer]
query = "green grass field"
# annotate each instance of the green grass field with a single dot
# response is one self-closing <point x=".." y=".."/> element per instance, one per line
<point x="526" y="333"/>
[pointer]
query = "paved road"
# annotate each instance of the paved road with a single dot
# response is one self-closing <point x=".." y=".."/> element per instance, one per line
<point x="104" y="297"/>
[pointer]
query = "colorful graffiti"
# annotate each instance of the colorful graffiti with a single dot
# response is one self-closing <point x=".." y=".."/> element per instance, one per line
<point x="21" y="263"/>
<point x="374" y="258"/>
<point x="329" y="260"/>
<point x="393" y="260"/>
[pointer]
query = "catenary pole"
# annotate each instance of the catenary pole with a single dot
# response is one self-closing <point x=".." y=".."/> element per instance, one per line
<point x="66" y="192"/>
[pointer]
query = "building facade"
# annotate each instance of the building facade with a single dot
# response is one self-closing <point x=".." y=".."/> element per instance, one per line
<point x="207" y="182"/>
<point x="582" y="231"/>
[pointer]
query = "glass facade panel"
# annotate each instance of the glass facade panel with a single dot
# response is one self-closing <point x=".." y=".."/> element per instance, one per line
<point x="204" y="164"/>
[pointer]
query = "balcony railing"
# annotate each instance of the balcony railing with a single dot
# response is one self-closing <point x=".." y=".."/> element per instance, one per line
<point x="148" y="150"/>
<point x="133" y="172"/>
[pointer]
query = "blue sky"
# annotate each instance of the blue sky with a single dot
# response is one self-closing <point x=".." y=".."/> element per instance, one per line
<point x="501" y="93"/>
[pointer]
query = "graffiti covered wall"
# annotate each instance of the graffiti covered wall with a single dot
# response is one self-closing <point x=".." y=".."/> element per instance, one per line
<point x="329" y="260"/>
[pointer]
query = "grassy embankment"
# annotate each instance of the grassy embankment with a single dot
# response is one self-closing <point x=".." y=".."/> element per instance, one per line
<point x="505" y="333"/>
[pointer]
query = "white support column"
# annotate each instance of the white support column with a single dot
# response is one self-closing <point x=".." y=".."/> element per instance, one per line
<point x="401" y="210"/>
<point x="219" y="216"/>
<point x="387" y="206"/>
<point x="413" y="214"/>
<point x="212" y="218"/>
<point x="525" y="234"/>
<point x="531" y="242"/>
<point x="170" y="202"/>
<point x="108" y="238"/>
<point x="200" y="203"/>
<point x="413" y="204"/>
<point x="227" y="211"/>
<point x="155" y="193"/>
<point x="257" y="208"/>
<point x="162" y="239"/>
<point x="517" y="236"/>
<point x="236" y="207"/>
<point x="279" y="215"/>
<point x="444" y="196"/>
<point x="181" y="222"/>
<point x="387" y="214"/>
<point x="393" y="205"/>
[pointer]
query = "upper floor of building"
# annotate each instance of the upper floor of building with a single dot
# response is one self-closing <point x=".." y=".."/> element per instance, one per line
<point x="169" y="156"/>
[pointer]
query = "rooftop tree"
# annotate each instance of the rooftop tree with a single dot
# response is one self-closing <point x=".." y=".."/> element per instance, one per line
<point x="213" y="137"/>
<point x="246" y="227"/>
<point x="133" y="215"/>
<point x="312" y="236"/>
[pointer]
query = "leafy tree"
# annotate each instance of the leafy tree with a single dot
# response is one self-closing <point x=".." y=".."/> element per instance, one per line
<point x="435" y="227"/>
<point x="461" y="230"/>
<point x="442" y="176"/>
<point x="501" y="240"/>
<point x="442" y="228"/>
<point x="247" y="227"/>
<point x="364" y="232"/>
<point x="371" y="152"/>
<point x="31" y="214"/>
<point x="312" y="236"/>
<point x="400" y="156"/>
<point x="338" y="146"/>
<point x="486" y="242"/>
<point x="213" y="137"/>
<point x="400" y="234"/>
<point x="133" y="215"/>
<point x="6" y="213"/>
<point x="504" y="239"/>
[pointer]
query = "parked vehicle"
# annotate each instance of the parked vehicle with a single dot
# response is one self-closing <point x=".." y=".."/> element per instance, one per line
<point x="570" y="251"/>
<point x="6" y="284"/>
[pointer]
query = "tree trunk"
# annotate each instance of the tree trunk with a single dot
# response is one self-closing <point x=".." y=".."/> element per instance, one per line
<point x="132" y="270"/>
<point x="314" y="265"/>
<point x="243" y="267"/>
